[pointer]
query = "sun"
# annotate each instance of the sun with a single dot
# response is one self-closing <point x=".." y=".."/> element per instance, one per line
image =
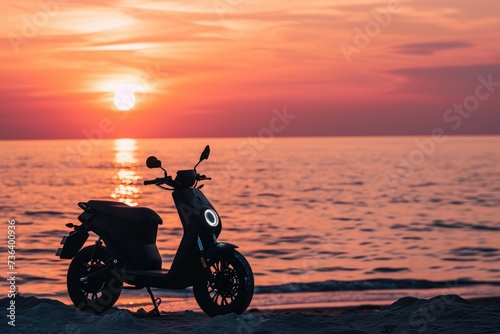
<point x="124" y="99"/>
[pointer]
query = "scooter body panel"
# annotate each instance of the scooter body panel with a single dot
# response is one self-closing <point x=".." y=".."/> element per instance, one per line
<point x="191" y="204"/>
<point x="132" y="244"/>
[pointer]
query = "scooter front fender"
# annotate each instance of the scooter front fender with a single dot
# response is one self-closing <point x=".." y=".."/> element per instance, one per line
<point x="72" y="243"/>
<point x="218" y="247"/>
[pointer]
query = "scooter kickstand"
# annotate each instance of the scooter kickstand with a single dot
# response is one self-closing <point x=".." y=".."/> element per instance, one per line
<point x="156" y="301"/>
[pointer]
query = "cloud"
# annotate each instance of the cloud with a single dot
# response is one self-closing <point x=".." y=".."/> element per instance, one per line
<point x="444" y="83"/>
<point x="430" y="48"/>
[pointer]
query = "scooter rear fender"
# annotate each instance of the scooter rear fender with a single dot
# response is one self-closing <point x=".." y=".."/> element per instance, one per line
<point x="72" y="243"/>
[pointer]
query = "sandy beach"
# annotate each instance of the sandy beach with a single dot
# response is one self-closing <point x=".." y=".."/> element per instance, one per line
<point x="441" y="314"/>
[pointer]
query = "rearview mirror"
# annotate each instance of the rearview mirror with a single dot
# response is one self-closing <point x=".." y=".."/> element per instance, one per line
<point x="206" y="152"/>
<point x="153" y="162"/>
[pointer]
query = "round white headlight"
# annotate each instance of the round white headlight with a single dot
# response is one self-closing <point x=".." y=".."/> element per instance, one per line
<point x="211" y="217"/>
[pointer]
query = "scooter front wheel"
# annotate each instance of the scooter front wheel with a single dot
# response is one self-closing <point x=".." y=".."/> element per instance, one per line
<point x="227" y="286"/>
<point x="99" y="293"/>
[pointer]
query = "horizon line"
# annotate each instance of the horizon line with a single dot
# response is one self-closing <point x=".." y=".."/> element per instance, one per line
<point x="239" y="137"/>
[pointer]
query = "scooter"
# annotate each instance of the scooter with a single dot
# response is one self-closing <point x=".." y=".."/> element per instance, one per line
<point x="126" y="252"/>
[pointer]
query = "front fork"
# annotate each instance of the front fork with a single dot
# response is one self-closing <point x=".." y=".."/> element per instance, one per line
<point x="203" y="257"/>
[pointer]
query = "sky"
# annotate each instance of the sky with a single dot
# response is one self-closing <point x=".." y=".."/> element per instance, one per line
<point x="230" y="68"/>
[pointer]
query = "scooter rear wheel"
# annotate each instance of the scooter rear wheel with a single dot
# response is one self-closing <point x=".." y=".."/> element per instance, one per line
<point x="96" y="295"/>
<point x="228" y="288"/>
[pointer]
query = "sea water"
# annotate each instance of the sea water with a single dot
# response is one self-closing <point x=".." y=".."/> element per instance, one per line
<point x="330" y="219"/>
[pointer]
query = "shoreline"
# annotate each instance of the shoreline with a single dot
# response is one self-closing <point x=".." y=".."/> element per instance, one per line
<point x="442" y="313"/>
<point x="304" y="300"/>
<point x="337" y="310"/>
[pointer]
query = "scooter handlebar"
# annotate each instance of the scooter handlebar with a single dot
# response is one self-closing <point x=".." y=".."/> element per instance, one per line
<point x="155" y="181"/>
<point x="169" y="181"/>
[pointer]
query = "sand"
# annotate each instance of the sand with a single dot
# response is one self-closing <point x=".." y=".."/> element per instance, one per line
<point x="441" y="314"/>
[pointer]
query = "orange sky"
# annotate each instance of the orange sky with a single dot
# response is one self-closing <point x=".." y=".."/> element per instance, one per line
<point x="220" y="67"/>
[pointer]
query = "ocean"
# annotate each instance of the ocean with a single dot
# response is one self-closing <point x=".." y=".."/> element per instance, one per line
<point x="322" y="220"/>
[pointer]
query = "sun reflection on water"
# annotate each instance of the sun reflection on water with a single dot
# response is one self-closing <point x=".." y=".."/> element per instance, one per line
<point x="126" y="178"/>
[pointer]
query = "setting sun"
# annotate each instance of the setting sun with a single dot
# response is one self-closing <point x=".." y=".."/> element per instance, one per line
<point x="124" y="100"/>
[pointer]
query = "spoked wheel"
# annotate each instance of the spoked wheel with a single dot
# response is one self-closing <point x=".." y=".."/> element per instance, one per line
<point x="97" y="294"/>
<point x="229" y="287"/>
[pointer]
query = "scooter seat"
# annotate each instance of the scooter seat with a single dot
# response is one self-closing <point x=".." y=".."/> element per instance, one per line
<point x="134" y="215"/>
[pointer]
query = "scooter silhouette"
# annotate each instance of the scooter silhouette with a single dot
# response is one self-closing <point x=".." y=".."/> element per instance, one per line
<point x="126" y="252"/>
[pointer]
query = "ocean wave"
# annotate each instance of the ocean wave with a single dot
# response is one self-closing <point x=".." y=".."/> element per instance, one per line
<point x="420" y="185"/>
<point x="31" y="278"/>
<point x="269" y="195"/>
<point x="370" y="284"/>
<point x="473" y="251"/>
<point x="448" y="224"/>
<point x="387" y="269"/>
<point x="48" y="213"/>
<point x="454" y="224"/>
<point x="36" y="250"/>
